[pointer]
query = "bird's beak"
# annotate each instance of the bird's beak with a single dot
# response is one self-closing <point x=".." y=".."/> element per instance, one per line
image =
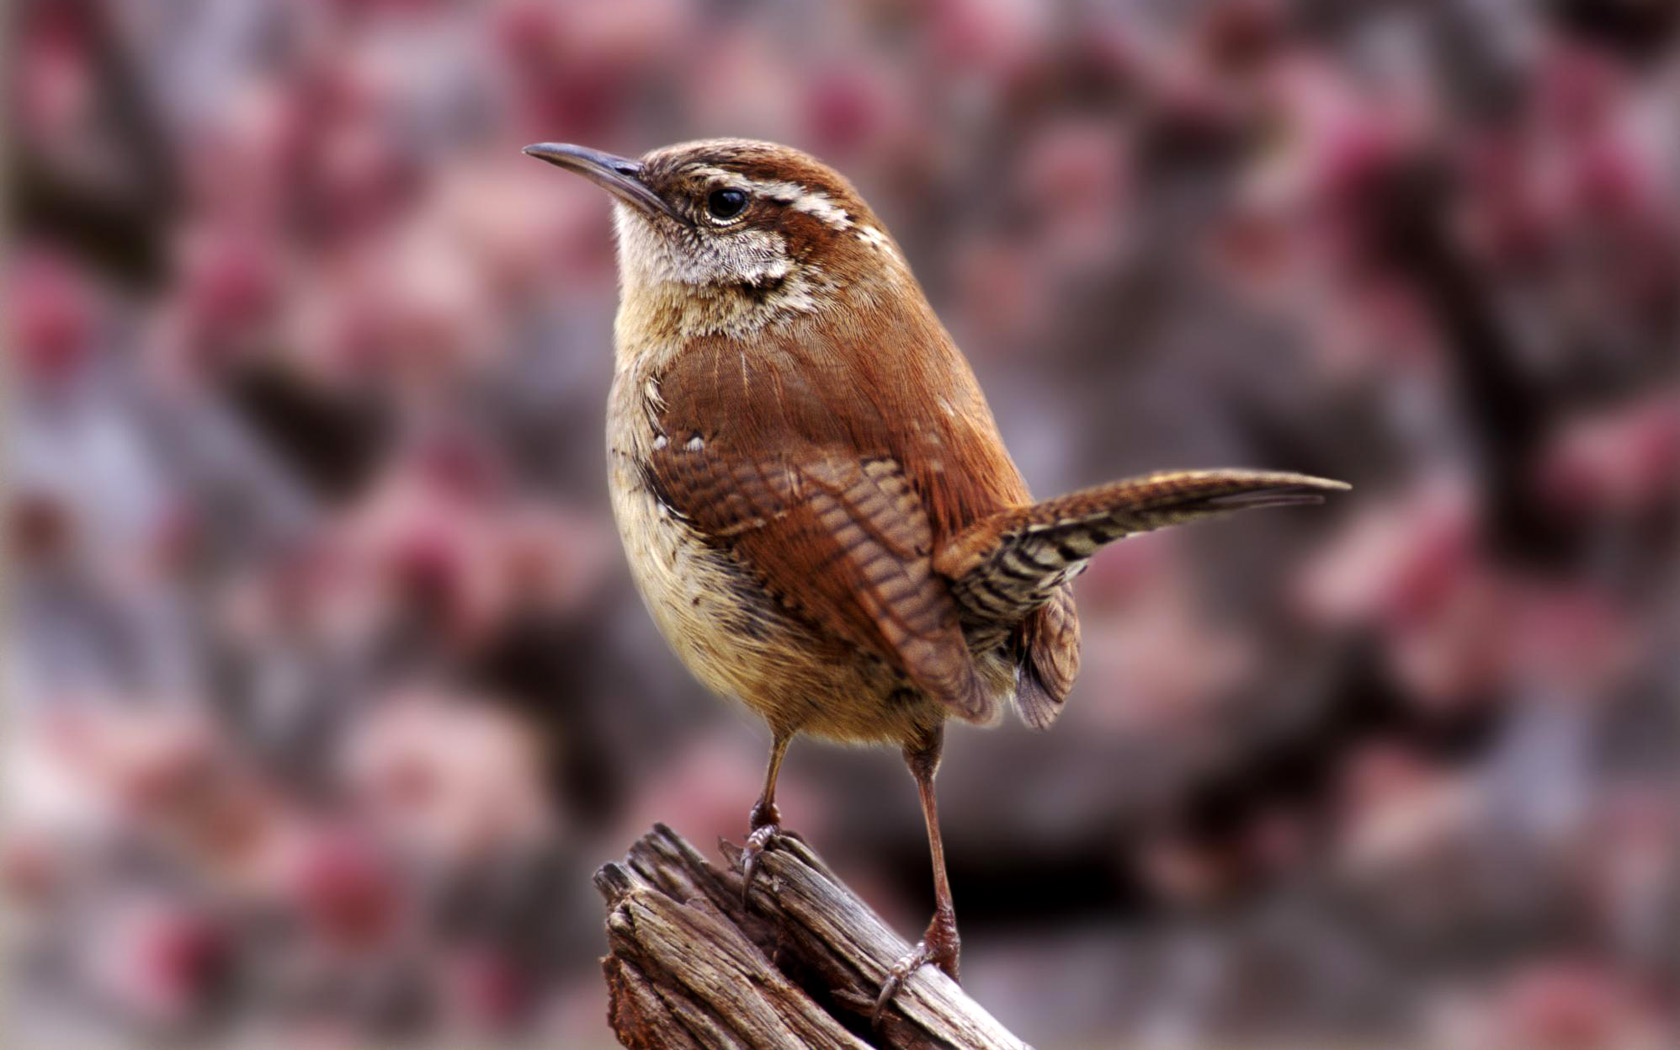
<point x="619" y="176"/>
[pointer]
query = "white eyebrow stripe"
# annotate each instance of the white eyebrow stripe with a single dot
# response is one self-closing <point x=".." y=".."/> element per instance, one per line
<point x="821" y="206"/>
<point x="877" y="240"/>
<point x="815" y="203"/>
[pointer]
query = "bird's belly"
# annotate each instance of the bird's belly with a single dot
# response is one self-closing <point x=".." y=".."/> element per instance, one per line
<point x="740" y="642"/>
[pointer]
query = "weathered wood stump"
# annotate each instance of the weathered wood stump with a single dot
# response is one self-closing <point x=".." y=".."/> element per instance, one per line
<point x="692" y="965"/>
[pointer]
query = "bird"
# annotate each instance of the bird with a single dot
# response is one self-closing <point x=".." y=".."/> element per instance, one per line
<point x="814" y="499"/>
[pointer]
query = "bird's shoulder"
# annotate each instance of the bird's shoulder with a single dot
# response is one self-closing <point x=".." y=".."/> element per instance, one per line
<point x="837" y="385"/>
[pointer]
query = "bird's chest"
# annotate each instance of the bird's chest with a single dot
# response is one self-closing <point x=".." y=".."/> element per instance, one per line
<point x="736" y="638"/>
<point x="691" y="588"/>
<point x="728" y="632"/>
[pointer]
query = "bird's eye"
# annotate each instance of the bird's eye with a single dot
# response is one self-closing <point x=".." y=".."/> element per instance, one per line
<point x="725" y="204"/>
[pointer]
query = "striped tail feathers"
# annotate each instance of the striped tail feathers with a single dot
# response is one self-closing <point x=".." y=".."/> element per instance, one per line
<point x="1004" y="567"/>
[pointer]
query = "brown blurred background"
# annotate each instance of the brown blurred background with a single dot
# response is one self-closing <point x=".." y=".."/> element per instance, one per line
<point x="326" y="687"/>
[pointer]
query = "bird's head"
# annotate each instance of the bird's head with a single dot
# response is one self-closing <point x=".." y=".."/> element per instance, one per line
<point x="752" y="231"/>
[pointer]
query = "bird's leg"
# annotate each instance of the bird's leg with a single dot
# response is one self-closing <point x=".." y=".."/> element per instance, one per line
<point x="940" y="944"/>
<point x="766" y="819"/>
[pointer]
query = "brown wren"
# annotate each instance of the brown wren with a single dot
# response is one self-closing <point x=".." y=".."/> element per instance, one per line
<point x="815" y="501"/>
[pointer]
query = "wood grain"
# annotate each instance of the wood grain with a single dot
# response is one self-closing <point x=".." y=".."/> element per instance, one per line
<point x="691" y="965"/>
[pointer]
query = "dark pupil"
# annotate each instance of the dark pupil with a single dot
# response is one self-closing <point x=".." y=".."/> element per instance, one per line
<point x="726" y="204"/>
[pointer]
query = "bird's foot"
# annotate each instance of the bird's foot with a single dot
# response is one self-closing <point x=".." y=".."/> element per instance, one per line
<point x="940" y="946"/>
<point x="758" y="842"/>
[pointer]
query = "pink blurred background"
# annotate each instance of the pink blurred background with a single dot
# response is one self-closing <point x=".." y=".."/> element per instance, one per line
<point x="326" y="686"/>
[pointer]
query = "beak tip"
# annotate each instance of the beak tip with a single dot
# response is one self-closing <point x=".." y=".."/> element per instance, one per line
<point x="618" y="175"/>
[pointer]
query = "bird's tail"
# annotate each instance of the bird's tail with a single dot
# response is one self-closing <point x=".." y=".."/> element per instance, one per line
<point x="1008" y="566"/>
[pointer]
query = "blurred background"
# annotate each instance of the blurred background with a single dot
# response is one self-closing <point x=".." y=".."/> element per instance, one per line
<point x="326" y="687"/>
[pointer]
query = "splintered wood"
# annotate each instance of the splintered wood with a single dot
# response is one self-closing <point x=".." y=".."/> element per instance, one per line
<point x="691" y="965"/>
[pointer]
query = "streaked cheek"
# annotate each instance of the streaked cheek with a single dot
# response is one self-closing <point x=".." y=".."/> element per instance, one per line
<point x="755" y="255"/>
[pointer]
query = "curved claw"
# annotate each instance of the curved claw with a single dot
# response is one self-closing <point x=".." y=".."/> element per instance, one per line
<point x="919" y="957"/>
<point x="940" y="946"/>
<point x="757" y="842"/>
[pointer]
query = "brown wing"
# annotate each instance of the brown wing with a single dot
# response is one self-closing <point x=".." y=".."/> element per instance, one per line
<point x="823" y="514"/>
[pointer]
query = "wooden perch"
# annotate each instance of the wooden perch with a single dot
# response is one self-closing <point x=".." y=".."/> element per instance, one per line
<point x="691" y="966"/>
